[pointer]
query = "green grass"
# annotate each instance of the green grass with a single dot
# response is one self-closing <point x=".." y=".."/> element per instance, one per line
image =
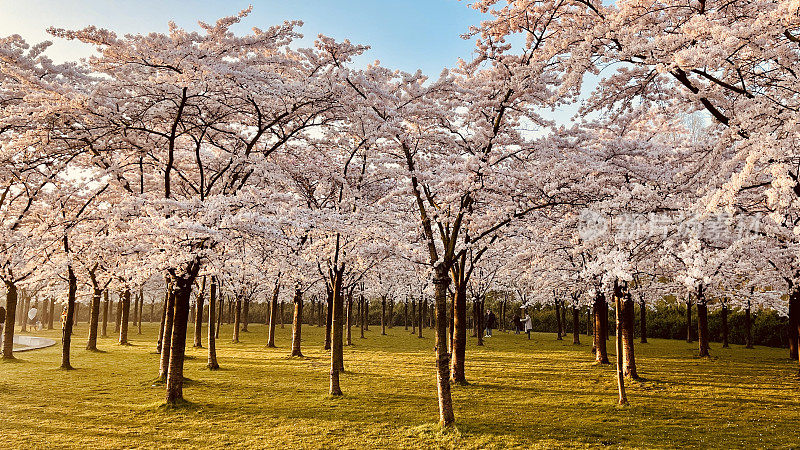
<point x="539" y="393"/>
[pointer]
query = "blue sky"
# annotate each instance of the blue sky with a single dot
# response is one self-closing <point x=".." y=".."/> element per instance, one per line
<point x="408" y="35"/>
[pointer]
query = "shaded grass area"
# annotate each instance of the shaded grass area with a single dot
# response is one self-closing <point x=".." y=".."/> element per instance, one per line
<point x="540" y="393"/>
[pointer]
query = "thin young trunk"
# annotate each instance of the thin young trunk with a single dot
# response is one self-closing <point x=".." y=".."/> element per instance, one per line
<point x="383" y="316"/>
<point x="559" y="325"/>
<point x="702" y="322"/>
<point x="366" y="315"/>
<point x="118" y="316"/>
<point x="297" y="322"/>
<point x="390" y="323"/>
<point x="724" y="317"/>
<point x="237" y="320"/>
<point x="422" y="304"/>
<point x="336" y="327"/>
<point x="349" y="313"/>
<point x="748" y="327"/>
<point x="794" y="320"/>
<point x="361" y="309"/>
<point x="8" y="330"/>
<point x="328" y="320"/>
<point x="141" y="310"/>
<point x="126" y="311"/>
<point x="163" y="328"/>
<point x="601" y="308"/>
<point x="169" y="319"/>
<point x="105" y="314"/>
<point x="135" y="310"/>
<point x="413" y="317"/>
<point x="26" y="306"/>
<point x="451" y="329"/>
<point x="198" y="316"/>
<point x="94" y="320"/>
<point x="479" y="320"/>
<point x="405" y="314"/>
<point x="66" y="332"/>
<point x="459" y="334"/>
<point x="620" y="376"/>
<point x="273" y="316"/>
<point x="642" y="320"/>
<point x="51" y="316"/>
<point x="689" y="319"/>
<point x="589" y="321"/>
<point x="576" y="325"/>
<point x="221" y="307"/>
<point x="212" y="341"/>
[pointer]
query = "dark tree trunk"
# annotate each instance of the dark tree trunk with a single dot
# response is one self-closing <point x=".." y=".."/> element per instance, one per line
<point x="297" y="322"/>
<point x="163" y="328"/>
<point x="8" y="330"/>
<point x="689" y="337"/>
<point x="794" y="320"/>
<point x="126" y="311"/>
<point x="475" y="313"/>
<point x="559" y="325"/>
<point x="479" y="320"/>
<point x="600" y="309"/>
<point x="503" y="315"/>
<point x="177" y="355"/>
<point x="748" y="327"/>
<point x="105" y="314"/>
<point x="405" y="314"/>
<point x="212" y="341"/>
<point x="642" y="320"/>
<point x="26" y="306"/>
<point x="391" y="313"/>
<point x="361" y="309"/>
<point x="273" y="315"/>
<point x="383" y="316"/>
<point x="702" y="322"/>
<point x="141" y="310"/>
<point x="94" y="320"/>
<point x="336" y="305"/>
<point x="724" y="317"/>
<point x="220" y="317"/>
<point x="441" y="282"/>
<point x="245" y="314"/>
<point x="366" y="315"/>
<point x="589" y="321"/>
<point x="576" y="325"/>
<point x="349" y="315"/>
<point x="118" y="318"/>
<point x="66" y="332"/>
<point x="320" y="314"/>
<point x="169" y="320"/>
<point x="198" y="317"/>
<point x="459" y="334"/>
<point x="311" y="311"/>
<point x="629" y="359"/>
<point x="413" y="316"/>
<point x="51" y="316"/>
<point x="328" y="319"/>
<point x="422" y="304"/>
<point x="620" y="350"/>
<point x="135" y="310"/>
<point x="237" y="320"/>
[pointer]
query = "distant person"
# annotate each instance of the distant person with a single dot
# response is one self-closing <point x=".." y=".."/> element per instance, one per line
<point x="528" y="324"/>
<point x="491" y="322"/>
<point x="32" y="313"/>
<point x="517" y="324"/>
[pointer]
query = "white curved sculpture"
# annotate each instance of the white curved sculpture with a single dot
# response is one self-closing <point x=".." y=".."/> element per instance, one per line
<point x="25" y="343"/>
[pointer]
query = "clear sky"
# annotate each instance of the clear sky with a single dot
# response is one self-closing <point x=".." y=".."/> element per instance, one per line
<point x="408" y="35"/>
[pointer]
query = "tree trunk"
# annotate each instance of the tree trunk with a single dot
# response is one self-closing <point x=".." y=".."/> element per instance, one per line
<point x="198" y="317"/>
<point x="245" y="314"/>
<point x="126" y="311"/>
<point x="391" y="313"/>
<point x="237" y="320"/>
<point x="413" y="316"/>
<point x="221" y="302"/>
<point x="297" y="322"/>
<point x="349" y="312"/>
<point x="11" y="311"/>
<point x="366" y="315"/>
<point x="620" y="376"/>
<point x="748" y="336"/>
<point x="337" y="302"/>
<point x="212" y="341"/>
<point x="405" y="314"/>
<point x="163" y="328"/>
<point x="459" y="334"/>
<point x="421" y="318"/>
<point x="135" y="310"/>
<point x="629" y="359"/>
<point x="169" y="320"/>
<point x="479" y="319"/>
<point x="702" y="322"/>
<point x="724" y="317"/>
<point x="51" y="316"/>
<point x="141" y="310"/>
<point x="105" y="314"/>
<point x="689" y="319"/>
<point x="328" y="319"/>
<point x="94" y="320"/>
<point x="576" y="325"/>
<point x="273" y="315"/>
<point x="66" y="332"/>
<point x="642" y="320"/>
<point x="320" y="314"/>
<point x="183" y="293"/>
<point x="118" y="317"/>
<point x="383" y="316"/>
<point x="589" y="321"/>
<point x="600" y="309"/>
<point x="361" y="309"/>
<point x="26" y="306"/>
<point x="794" y="320"/>
<point x="441" y="282"/>
<point x="559" y="325"/>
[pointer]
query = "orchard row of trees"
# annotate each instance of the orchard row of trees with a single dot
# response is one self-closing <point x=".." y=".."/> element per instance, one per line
<point x="201" y="159"/>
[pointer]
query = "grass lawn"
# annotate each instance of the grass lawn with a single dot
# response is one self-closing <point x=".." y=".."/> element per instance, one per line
<point x="538" y="393"/>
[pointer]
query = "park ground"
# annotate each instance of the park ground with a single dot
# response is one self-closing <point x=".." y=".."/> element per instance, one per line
<point x="541" y="393"/>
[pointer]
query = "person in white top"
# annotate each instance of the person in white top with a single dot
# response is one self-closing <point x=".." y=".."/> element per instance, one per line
<point x="528" y="324"/>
